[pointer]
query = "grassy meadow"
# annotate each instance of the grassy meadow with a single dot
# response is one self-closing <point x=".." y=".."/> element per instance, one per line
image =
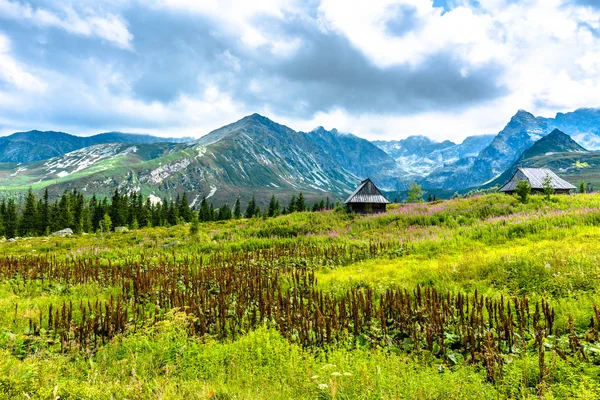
<point x="483" y="297"/>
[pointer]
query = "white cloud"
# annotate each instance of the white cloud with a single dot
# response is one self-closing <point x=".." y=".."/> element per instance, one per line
<point x="15" y="74"/>
<point x="238" y="18"/>
<point x="109" y="27"/>
<point x="547" y="52"/>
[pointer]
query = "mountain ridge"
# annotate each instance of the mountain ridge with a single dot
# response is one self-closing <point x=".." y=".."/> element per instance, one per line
<point x="36" y="145"/>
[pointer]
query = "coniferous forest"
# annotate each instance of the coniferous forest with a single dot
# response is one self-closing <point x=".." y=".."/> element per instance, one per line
<point x="39" y="216"/>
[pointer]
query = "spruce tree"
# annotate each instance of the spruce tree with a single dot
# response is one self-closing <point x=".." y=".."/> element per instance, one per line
<point x="105" y="224"/>
<point x="65" y="214"/>
<point x="292" y="205"/>
<point x="224" y="212"/>
<point x="10" y="218"/>
<point x="237" y="209"/>
<point x="251" y="208"/>
<point x="277" y="209"/>
<point x="300" y="204"/>
<point x="28" y="223"/>
<point x="44" y="212"/>
<point x="194" y="226"/>
<point x="115" y="209"/>
<point x="2" y="228"/>
<point x="172" y="214"/>
<point x="272" y="205"/>
<point x="204" y="211"/>
<point x="211" y="212"/>
<point x="184" y="208"/>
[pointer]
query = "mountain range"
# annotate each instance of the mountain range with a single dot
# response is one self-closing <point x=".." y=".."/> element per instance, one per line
<point x="22" y="147"/>
<point x="257" y="156"/>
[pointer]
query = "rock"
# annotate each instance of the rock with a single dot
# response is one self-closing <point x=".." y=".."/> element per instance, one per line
<point x="172" y="244"/>
<point x="12" y="240"/>
<point x="2" y="239"/>
<point x="121" y="229"/>
<point x="63" y="232"/>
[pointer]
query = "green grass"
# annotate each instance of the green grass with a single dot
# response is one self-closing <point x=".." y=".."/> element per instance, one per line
<point x="490" y="244"/>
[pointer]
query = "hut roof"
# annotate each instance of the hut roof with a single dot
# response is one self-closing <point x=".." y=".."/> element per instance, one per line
<point x="536" y="177"/>
<point x="367" y="192"/>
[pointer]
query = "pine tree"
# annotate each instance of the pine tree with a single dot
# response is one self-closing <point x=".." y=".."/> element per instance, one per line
<point x="184" y="208"/>
<point x="28" y="223"/>
<point x="251" y="208"/>
<point x="106" y="223"/>
<point x="146" y="214"/>
<point x="65" y="214"/>
<point x="277" y="209"/>
<point x="2" y="227"/>
<point x="10" y="218"/>
<point x="172" y="214"/>
<point x="115" y="209"/>
<point x="78" y="205"/>
<point x="273" y="207"/>
<point x="44" y="212"/>
<point x="224" y="213"/>
<point x="237" y="209"/>
<point x="194" y="225"/>
<point x="211" y="212"/>
<point x="292" y="204"/>
<point x="204" y="211"/>
<point x="164" y="213"/>
<point x="300" y="204"/>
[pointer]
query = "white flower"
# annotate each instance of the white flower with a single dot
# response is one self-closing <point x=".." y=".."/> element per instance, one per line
<point x="323" y="386"/>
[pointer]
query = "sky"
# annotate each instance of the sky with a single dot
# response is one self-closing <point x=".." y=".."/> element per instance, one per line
<point x="381" y="69"/>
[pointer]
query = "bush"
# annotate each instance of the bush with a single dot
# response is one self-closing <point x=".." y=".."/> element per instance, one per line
<point x="523" y="190"/>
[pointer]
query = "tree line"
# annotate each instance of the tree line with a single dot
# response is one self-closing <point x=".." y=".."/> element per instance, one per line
<point x="38" y="216"/>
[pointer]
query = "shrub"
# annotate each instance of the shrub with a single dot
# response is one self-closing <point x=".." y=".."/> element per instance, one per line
<point x="523" y="190"/>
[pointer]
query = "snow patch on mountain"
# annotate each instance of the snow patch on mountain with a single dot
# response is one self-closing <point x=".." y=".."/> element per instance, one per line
<point x="20" y="169"/>
<point x="213" y="190"/>
<point x="164" y="171"/>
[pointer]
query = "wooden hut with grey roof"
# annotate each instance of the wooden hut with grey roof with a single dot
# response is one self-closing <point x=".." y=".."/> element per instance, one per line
<point x="367" y="199"/>
<point x="536" y="177"/>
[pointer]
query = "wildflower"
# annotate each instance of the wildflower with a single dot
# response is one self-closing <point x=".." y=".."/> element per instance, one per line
<point x="323" y="386"/>
<point x="336" y="374"/>
<point x="347" y="374"/>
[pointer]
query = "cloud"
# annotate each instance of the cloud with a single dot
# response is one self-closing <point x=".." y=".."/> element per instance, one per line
<point x="109" y="27"/>
<point x="383" y="68"/>
<point x="14" y="75"/>
<point x="331" y="73"/>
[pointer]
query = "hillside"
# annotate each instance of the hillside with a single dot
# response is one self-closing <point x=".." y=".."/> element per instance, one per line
<point x="361" y="157"/>
<point x="253" y="156"/>
<point x="313" y="305"/>
<point x="557" y="151"/>
<point x="23" y="147"/>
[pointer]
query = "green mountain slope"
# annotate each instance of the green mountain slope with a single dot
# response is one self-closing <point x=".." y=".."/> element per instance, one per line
<point x="559" y="152"/>
<point x="254" y="156"/>
<point x="22" y="147"/>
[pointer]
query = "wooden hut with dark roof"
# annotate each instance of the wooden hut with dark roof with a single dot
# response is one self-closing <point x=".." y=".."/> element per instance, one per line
<point x="367" y="199"/>
<point x="536" y="177"/>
